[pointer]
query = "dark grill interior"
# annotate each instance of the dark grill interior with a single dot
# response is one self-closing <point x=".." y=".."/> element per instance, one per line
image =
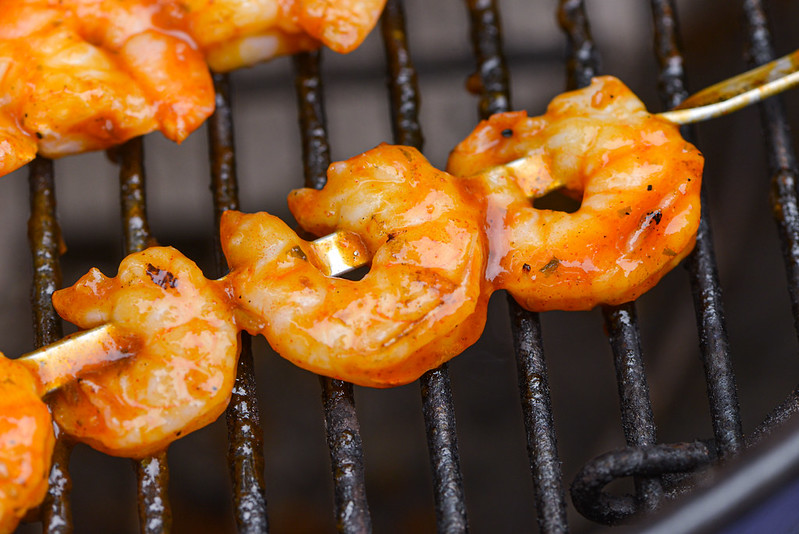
<point x="269" y="470"/>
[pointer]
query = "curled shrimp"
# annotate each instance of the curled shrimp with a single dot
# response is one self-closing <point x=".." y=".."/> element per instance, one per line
<point x="236" y="33"/>
<point x="423" y="300"/>
<point x="180" y="379"/>
<point x="82" y="75"/>
<point x="26" y="443"/>
<point x="638" y="181"/>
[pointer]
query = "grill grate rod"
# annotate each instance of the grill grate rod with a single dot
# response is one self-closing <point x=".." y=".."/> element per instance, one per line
<point x="245" y="435"/>
<point x="437" y="404"/>
<point x="781" y="157"/>
<point x="44" y="237"/>
<point x="701" y="264"/>
<point x="718" y="369"/>
<point x="542" y="450"/>
<point x="341" y="422"/>
<point x="152" y="473"/>
<point x="784" y="197"/>
<point x="638" y="421"/>
<point x="621" y="321"/>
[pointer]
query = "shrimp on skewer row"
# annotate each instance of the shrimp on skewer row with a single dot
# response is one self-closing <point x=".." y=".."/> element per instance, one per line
<point x="638" y="181"/>
<point x="423" y="300"/>
<point x="182" y="376"/>
<point x="87" y="74"/>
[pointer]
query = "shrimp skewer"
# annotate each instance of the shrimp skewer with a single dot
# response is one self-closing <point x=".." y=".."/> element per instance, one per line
<point x="423" y="300"/>
<point x="181" y="377"/>
<point x="639" y="181"/>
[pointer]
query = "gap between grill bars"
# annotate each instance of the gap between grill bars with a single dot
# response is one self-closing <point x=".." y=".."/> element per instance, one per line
<point x="454" y="476"/>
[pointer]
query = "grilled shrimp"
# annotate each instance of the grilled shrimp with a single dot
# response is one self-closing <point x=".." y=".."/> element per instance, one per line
<point x="638" y="179"/>
<point x="423" y="300"/>
<point x="83" y="75"/>
<point x="179" y="380"/>
<point x="236" y="33"/>
<point x="26" y="443"/>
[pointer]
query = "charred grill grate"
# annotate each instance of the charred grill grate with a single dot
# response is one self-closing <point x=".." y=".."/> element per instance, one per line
<point x="653" y="464"/>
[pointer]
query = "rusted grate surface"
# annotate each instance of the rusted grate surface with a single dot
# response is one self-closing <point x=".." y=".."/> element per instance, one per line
<point x="456" y="498"/>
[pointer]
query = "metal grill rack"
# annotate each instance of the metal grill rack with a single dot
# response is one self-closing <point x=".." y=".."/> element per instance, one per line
<point x="660" y="468"/>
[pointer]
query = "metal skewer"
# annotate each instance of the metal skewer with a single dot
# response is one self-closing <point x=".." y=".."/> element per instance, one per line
<point x="738" y="92"/>
<point x="61" y="362"/>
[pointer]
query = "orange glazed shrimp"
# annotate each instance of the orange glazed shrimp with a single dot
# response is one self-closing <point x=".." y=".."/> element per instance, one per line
<point x="423" y="300"/>
<point x="182" y="377"/>
<point x="639" y="181"/>
<point x="236" y="33"/>
<point x="80" y="75"/>
<point x="26" y="443"/>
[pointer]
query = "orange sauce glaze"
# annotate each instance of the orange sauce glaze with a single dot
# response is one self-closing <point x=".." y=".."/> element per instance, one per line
<point x="181" y="378"/>
<point x="79" y="75"/>
<point x="423" y="300"/>
<point x="638" y="179"/>
<point x="236" y="33"/>
<point x="26" y="444"/>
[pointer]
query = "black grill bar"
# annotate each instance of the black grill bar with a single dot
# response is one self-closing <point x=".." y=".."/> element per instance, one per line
<point x="133" y="197"/>
<point x="437" y="404"/>
<point x="646" y="462"/>
<point x="152" y="473"/>
<point x="245" y="435"/>
<point x="582" y="61"/>
<point x="402" y="80"/>
<point x="494" y="97"/>
<point x="636" y="408"/>
<point x="346" y="456"/>
<point x="44" y="238"/>
<point x="44" y="235"/>
<point x="542" y="447"/>
<point x="341" y="421"/>
<point x="701" y="264"/>
<point x="312" y="119"/>
<point x="621" y="322"/>
<point x="490" y="81"/>
<point x="442" y="444"/>
<point x="781" y="157"/>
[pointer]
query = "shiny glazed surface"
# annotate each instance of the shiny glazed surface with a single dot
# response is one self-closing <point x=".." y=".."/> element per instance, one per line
<point x="84" y="75"/>
<point x="237" y="33"/>
<point x="26" y="444"/>
<point x="422" y="302"/>
<point x="182" y="377"/>
<point x="79" y="75"/>
<point x="638" y="181"/>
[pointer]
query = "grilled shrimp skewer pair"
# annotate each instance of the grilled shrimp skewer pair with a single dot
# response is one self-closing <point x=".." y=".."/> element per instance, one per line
<point x="433" y="267"/>
<point x="423" y="230"/>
